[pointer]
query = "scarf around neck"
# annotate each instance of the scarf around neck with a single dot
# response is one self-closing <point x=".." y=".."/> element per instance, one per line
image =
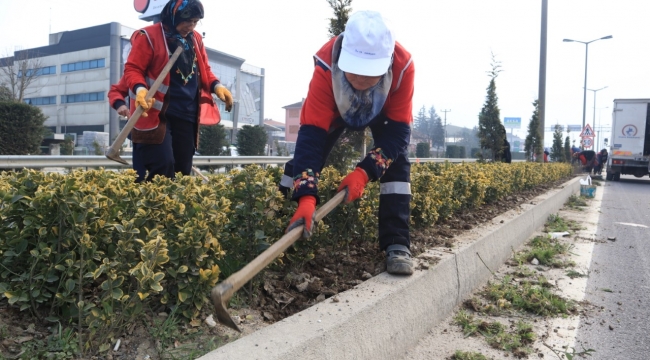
<point x="357" y="107"/>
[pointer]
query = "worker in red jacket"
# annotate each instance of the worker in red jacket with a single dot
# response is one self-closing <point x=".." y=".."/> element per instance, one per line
<point x="166" y="136"/>
<point x="362" y="78"/>
<point x="117" y="99"/>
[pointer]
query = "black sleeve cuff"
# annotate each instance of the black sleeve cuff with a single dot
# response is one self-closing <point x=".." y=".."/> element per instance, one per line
<point x="118" y="103"/>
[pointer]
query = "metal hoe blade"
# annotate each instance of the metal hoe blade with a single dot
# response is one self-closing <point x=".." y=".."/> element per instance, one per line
<point x="219" y="303"/>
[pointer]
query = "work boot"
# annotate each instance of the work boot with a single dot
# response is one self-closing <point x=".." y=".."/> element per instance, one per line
<point x="398" y="260"/>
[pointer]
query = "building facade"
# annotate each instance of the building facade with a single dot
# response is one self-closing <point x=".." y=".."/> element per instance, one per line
<point x="292" y="121"/>
<point x="76" y="69"/>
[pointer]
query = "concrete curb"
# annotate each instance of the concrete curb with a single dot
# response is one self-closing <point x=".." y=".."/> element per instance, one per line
<point x="386" y="315"/>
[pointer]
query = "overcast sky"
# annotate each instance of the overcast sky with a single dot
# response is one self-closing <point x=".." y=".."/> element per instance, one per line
<point x="450" y="40"/>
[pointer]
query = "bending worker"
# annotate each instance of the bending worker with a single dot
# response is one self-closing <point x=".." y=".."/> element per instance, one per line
<point x="166" y="136"/>
<point x="362" y="78"/>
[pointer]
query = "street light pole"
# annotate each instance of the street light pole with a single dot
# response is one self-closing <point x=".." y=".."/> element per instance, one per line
<point x="594" y="121"/>
<point x="584" y="95"/>
<point x="444" y="146"/>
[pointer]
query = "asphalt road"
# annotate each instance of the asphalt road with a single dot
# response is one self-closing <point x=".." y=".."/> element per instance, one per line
<point x="619" y="280"/>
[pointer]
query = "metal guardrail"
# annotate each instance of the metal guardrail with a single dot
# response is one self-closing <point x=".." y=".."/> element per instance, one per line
<point x="96" y="161"/>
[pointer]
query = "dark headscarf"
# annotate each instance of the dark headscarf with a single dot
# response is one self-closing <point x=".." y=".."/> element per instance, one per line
<point x="174" y="13"/>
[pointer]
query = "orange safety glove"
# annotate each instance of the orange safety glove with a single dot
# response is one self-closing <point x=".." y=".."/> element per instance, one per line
<point x="304" y="215"/>
<point x="224" y="95"/>
<point x="144" y="103"/>
<point x="354" y="183"/>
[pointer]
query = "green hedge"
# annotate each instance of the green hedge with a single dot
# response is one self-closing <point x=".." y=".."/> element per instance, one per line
<point x="96" y="249"/>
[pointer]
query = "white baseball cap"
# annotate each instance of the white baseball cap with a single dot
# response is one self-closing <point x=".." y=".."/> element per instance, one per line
<point x="368" y="45"/>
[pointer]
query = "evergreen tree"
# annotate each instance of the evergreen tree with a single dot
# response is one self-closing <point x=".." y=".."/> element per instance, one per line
<point x="342" y="11"/>
<point x="557" y="150"/>
<point x="567" y="149"/>
<point x="21" y="128"/>
<point x="251" y="140"/>
<point x="350" y="145"/>
<point x="436" y="129"/>
<point x="5" y="94"/>
<point x="491" y="131"/>
<point x="212" y="140"/>
<point x="533" y="142"/>
<point x="420" y="122"/>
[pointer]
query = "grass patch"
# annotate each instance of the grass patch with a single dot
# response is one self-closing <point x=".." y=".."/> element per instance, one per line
<point x="575" y="274"/>
<point x="175" y="341"/>
<point x="529" y="296"/>
<point x="545" y="250"/>
<point x="557" y="224"/>
<point x="495" y="333"/>
<point x="575" y="202"/>
<point x="61" y="344"/>
<point x="464" y="355"/>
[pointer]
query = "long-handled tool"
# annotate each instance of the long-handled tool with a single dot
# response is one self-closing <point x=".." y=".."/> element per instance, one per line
<point x="113" y="152"/>
<point x="225" y="289"/>
<point x="200" y="174"/>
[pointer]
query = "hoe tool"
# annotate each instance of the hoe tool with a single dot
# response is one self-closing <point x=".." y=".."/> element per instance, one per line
<point x="223" y="291"/>
<point x="113" y="152"/>
<point x="200" y="174"/>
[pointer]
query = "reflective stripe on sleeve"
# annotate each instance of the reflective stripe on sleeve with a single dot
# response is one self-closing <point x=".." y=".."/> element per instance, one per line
<point x="286" y="181"/>
<point x="395" y="187"/>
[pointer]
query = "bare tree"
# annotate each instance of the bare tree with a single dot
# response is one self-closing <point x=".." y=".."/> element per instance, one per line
<point x="20" y="71"/>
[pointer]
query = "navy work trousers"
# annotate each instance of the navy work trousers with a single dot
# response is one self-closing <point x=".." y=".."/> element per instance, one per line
<point x="173" y="155"/>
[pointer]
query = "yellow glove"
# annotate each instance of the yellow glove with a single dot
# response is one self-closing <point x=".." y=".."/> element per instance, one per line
<point x="224" y="95"/>
<point x="141" y="101"/>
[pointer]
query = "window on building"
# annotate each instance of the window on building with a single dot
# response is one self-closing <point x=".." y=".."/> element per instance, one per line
<point x="47" y="70"/>
<point x="83" y="65"/>
<point x="47" y="100"/>
<point x="294" y="112"/>
<point x="86" y="97"/>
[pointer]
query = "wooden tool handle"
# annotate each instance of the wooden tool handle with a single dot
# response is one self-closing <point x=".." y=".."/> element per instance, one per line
<point x="241" y="277"/>
<point x="119" y="140"/>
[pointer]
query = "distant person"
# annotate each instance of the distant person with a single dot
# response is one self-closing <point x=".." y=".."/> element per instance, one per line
<point x="362" y="78"/>
<point x="602" y="160"/>
<point x="166" y="136"/>
<point x="588" y="160"/>
<point x="546" y="154"/>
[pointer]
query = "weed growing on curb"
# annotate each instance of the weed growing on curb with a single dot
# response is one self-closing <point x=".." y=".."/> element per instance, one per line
<point x="575" y="274"/>
<point x="528" y="296"/>
<point x="545" y="250"/>
<point x="570" y="355"/>
<point x="464" y="355"/>
<point x="575" y="202"/>
<point x="496" y="335"/>
<point x="555" y="223"/>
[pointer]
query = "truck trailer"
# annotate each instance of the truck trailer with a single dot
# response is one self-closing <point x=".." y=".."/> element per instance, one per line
<point x="630" y="139"/>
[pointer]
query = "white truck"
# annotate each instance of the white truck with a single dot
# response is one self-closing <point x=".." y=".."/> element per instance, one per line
<point x="630" y="139"/>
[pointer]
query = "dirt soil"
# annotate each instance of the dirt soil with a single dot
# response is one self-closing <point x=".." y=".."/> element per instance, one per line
<point x="282" y="294"/>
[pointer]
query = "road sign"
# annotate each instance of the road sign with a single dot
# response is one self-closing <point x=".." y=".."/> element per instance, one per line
<point x="573" y="127"/>
<point x="587" y="131"/>
<point x="512" y="122"/>
<point x="587" y="142"/>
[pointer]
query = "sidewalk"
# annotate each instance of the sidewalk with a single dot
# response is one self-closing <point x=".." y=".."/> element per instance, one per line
<point x="386" y="315"/>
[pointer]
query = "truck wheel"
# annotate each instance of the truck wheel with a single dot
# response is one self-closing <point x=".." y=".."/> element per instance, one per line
<point x="609" y="176"/>
<point x="617" y="176"/>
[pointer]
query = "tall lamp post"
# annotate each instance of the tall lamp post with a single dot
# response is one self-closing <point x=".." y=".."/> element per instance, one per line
<point x="594" y="121"/>
<point x="584" y="99"/>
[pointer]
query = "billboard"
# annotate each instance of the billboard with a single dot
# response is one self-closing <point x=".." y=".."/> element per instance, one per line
<point x="574" y="127"/>
<point x="149" y="8"/>
<point x="512" y="122"/>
